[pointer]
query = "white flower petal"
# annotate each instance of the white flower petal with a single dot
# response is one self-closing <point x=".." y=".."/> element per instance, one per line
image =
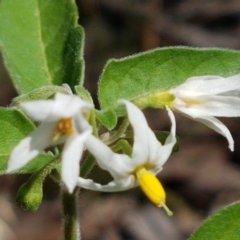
<point x="81" y="124"/>
<point x="113" y="186"/>
<point x="172" y="137"/>
<point x="67" y="88"/>
<point x="203" y="97"/>
<point x="22" y="154"/>
<point x="219" y="106"/>
<point x="219" y="127"/>
<point x="63" y="106"/>
<point x="119" y="165"/>
<point x="30" y="146"/>
<point x="71" y="156"/>
<point x="212" y="123"/>
<point x="207" y="85"/>
<point x="69" y="105"/>
<point x="162" y="154"/>
<point x="38" y="111"/>
<point x="145" y="142"/>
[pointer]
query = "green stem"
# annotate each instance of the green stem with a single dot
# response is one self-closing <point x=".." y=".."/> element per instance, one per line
<point x="118" y="134"/>
<point x="46" y="170"/>
<point x="92" y="121"/>
<point x="87" y="166"/>
<point x="70" y="215"/>
<point x="123" y="145"/>
<point x="89" y="161"/>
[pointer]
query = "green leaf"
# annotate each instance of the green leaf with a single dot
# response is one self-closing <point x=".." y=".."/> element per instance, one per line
<point x="41" y="43"/>
<point x="223" y="225"/>
<point x="73" y="61"/>
<point x="139" y="76"/>
<point x="83" y="93"/>
<point x="14" y="127"/>
<point x="107" y="118"/>
<point x="37" y="163"/>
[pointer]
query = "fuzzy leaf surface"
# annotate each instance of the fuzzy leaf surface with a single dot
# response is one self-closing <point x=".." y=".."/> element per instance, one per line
<point x="41" y="43"/>
<point x="223" y="225"/>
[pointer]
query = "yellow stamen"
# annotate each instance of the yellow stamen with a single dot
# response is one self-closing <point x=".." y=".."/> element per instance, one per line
<point x="189" y="102"/>
<point x="64" y="127"/>
<point x="152" y="188"/>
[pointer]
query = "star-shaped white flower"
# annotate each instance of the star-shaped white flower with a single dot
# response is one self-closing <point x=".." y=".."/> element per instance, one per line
<point x="204" y="97"/>
<point x="148" y="157"/>
<point x="62" y="121"/>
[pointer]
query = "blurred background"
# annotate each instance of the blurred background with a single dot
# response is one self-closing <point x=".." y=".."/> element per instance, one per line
<point x="199" y="179"/>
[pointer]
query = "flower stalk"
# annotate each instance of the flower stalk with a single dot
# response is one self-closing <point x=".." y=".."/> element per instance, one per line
<point x="70" y="214"/>
<point x="118" y="134"/>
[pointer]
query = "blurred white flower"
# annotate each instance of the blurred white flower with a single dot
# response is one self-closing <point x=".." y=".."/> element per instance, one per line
<point x="204" y="97"/>
<point x="148" y="157"/>
<point x="62" y="121"/>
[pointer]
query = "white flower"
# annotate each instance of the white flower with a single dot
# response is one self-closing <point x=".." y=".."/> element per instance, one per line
<point x="148" y="157"/>
<point x="62" y="121"/>
<point x="204" y="97"/>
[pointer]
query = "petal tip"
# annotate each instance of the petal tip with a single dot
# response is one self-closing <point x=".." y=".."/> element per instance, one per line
<point x="70" y="186"/>
<point x="231" y="147"/>
<point x="12" y="168"/>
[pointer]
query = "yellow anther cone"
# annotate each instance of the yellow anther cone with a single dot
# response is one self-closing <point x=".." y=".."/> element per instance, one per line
<point x="64" y="127"/>
<point x="152" y="188"/>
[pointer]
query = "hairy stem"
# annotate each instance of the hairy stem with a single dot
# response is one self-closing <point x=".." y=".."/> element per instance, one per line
<point x="117" y="134"/>
<point x="70" y="215"/>
<point x="123" y="145"/>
